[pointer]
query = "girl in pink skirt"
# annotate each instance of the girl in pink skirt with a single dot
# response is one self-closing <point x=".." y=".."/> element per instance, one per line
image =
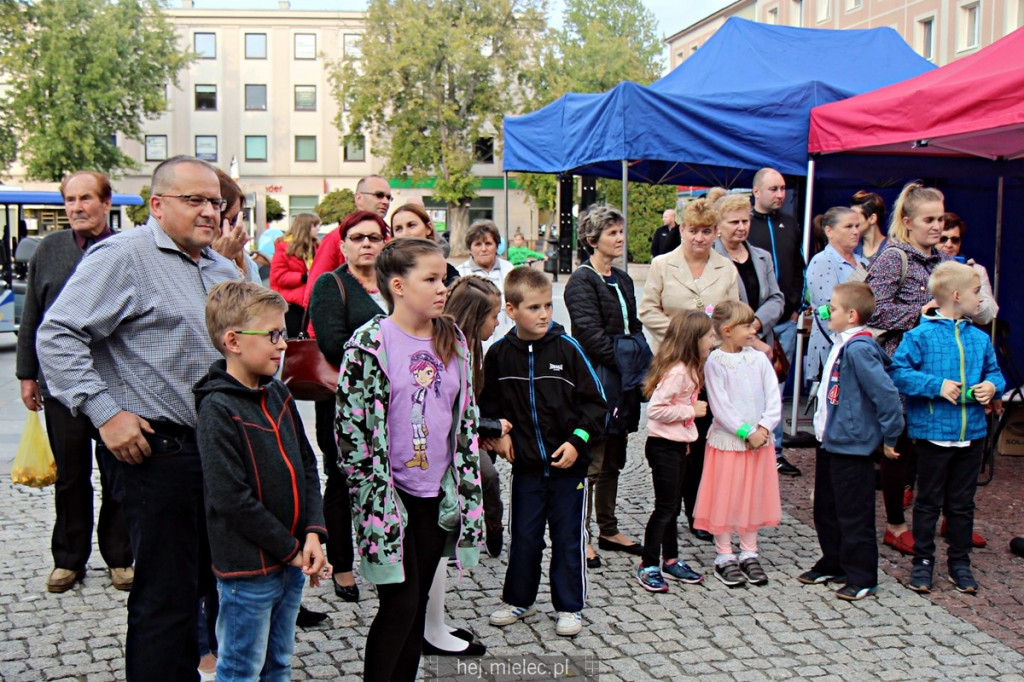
<point x="739" y="490"/>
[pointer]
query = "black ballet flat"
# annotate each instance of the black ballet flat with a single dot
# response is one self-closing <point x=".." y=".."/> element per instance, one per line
<point x="465" y="635"/>
<point x="473" y="649"/>
<point x="593" y="561"/>
<point x="307" y="618"/>
<point x="636" y="549"/>
<point x="349" y="593"/>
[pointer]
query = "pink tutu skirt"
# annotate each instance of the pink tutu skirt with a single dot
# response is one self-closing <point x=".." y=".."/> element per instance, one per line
<point x="739" y="491"/>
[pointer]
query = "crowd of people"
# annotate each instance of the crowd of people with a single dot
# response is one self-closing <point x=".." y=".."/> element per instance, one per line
<point x="161" y="345"/>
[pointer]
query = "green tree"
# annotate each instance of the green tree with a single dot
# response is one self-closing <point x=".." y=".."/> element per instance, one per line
<point x="275" y="211"/>
<point x="601" y="43"/>
<point x="646" y="205"/>
<point x="140" y="214"/>
<point x="79" y="74"/>
<point x="433" y="78"/>
<point x="336" y="205"/>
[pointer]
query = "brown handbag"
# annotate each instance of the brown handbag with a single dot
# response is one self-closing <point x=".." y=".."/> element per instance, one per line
<point x="305" y="371"/>
<point x="780" y="363"/>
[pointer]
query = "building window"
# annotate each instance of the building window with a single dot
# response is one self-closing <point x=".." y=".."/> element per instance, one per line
<point x="255" y="97"/>
<point x="255" y="147"/>
<point x="481" y="208"/>
<point x="355" y="148"/>
<point x="305" y="46"/>
<point x="206" y="147"/>
<point x="772" y="17"/>
<point x="852" y="5"/>
<point x="796" y="13"/>
<point x="352" y="46"/>
<point x="970" y="24"/>
<point x="824" y="9"/>
<point x="305" y="98"/>
<point x="305" y="147"/>
<point x="156" y="147"/>
<point x="483" y="150"/>
<point x="206" y="98"/>
<point x="205" y="45"/>
<point x="255" y="45"/>
<point x="302" y="203"/>
<point x="1016" y="15"/>
<point x="926" y="38"/>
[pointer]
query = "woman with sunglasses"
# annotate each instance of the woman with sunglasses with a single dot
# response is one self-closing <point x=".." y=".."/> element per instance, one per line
<point x="341" y="302"/>
<point x="953" y="231"/>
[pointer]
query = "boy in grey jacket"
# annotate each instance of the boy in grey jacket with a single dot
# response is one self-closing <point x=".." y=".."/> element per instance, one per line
<point x="858" y="408"/>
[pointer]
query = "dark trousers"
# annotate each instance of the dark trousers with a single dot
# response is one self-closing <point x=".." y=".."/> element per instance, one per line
<point x="395" y="640"/>
<point x="844" y="517"/>
<point x="337" y="508"/>
<point x="693" y="468"/>
<point x="293" y="319"/>
<point x="163" y="506"/>
<point x="895" y="475"/>
<point x="667" y="459"/>
<point x="556" y="504"/>
<point x="947" y="478"/>
<point x="71" y="439"/>
<point x="608" y="460"/>
<point x="490" y="484"/>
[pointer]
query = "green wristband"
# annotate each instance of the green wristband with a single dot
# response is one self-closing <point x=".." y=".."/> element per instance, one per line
<point x="583" y="435"/>
<point x="744" y="431"/>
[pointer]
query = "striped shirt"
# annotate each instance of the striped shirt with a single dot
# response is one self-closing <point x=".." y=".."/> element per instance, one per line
<point x="128" y="332"/>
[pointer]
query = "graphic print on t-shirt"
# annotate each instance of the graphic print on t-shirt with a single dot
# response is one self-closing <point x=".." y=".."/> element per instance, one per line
<point x="426" y="374"/>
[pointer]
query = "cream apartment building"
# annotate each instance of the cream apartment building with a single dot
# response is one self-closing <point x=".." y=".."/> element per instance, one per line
<point x="940" y="30"/>
<point x="259" y="94"/>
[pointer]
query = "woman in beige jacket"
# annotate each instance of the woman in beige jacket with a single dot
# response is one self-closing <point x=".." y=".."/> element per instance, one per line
<point x="692" y="277"/>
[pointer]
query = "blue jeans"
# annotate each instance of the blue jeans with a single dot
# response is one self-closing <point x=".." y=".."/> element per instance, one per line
<point x="785" y="332"/>
<point x="256" y="626"/>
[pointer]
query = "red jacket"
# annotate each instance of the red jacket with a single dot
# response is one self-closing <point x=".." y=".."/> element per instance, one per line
<point x="328" y="258"/>
<point x="288" y="274"/>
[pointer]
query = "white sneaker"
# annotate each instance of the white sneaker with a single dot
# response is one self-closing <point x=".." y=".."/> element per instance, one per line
<point x="569" y="623"/>
<point x="510" y="614"/>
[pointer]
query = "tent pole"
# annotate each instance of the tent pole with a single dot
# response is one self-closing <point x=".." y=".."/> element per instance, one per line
<point x="625" y="214"/>
<point x="508" y="242"/>
<point x="799" y="357"/>
<point x="999" y="245"/>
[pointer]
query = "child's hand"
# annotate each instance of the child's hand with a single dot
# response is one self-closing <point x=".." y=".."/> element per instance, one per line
<point x="503" y="447"/>
<point x="311" y="559"/>
<point x="890" y="451"/>
<point x="758" y="438"/>
<point x="700" y="408"/>
<point x="984" y="392"/>
<point x="506" y="426"/>
<point x="950" y="390"/>
<point x="564" y="457"/>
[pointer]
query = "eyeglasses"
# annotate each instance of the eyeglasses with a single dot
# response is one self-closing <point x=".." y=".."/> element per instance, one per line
<point x="379" y="195"/>
<point x="198" y="200"/>
<point x="275" y="334"/>
<point x="360" y="238"/>
<point x="954" y="240"/>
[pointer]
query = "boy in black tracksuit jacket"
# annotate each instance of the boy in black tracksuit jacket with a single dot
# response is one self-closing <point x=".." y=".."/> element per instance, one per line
<point x="538" y="378"/>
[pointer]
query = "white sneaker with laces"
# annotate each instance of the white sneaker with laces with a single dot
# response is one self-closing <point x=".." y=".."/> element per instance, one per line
<point x="510" y="614"/>
<point x="569" y="623"/>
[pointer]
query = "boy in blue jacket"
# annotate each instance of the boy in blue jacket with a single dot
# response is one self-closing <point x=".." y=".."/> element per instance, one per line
<point x="537" y="377"/>
<point x="858" y="408"/>
<point x="948" y="372"/>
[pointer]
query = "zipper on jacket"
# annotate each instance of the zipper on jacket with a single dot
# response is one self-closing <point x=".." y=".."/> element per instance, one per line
<point x="963" y="382"/>
<point x="536" y="421"/>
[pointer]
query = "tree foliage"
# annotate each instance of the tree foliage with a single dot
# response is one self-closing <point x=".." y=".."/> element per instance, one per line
<point x="432" y="79"/>
<point x="275" y="211"/>
<point x="336" y="205"/>
<point x="646" y="204"/>
<point x="140" y="214"/>
<point x="79" y="73"/>
<point x="601" y="43"/>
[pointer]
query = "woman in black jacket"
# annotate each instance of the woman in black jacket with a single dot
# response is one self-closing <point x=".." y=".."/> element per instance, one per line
<point x="602" y="310"/>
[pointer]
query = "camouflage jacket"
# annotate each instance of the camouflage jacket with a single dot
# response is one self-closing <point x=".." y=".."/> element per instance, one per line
<point x="378" y="516"/>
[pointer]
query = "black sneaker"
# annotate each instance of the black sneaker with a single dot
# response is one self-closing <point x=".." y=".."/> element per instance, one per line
<point x="730" y="574"/>
<point x="495" y="541"/>
<point x="813" y="577"/>
<point x="854" y="593"/>
<point x="785" y="468"/>
<point x="962" y="579"/>
<point x="752" y="570"/>
<point x="921" y="576"/>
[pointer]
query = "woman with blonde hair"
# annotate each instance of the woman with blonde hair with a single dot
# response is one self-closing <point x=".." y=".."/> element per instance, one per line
<point x="289" y="269"/>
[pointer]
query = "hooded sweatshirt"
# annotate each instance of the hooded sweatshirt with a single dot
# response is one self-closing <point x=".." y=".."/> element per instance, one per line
<point x="551" y="394"/>
<point x="259" y="474"/>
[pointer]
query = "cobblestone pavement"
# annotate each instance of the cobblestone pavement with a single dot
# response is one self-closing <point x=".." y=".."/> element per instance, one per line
<point x="779" y="631"/>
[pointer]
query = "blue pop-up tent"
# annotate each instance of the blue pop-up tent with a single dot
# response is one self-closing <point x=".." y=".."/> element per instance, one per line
<point x="740" y="103"/>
